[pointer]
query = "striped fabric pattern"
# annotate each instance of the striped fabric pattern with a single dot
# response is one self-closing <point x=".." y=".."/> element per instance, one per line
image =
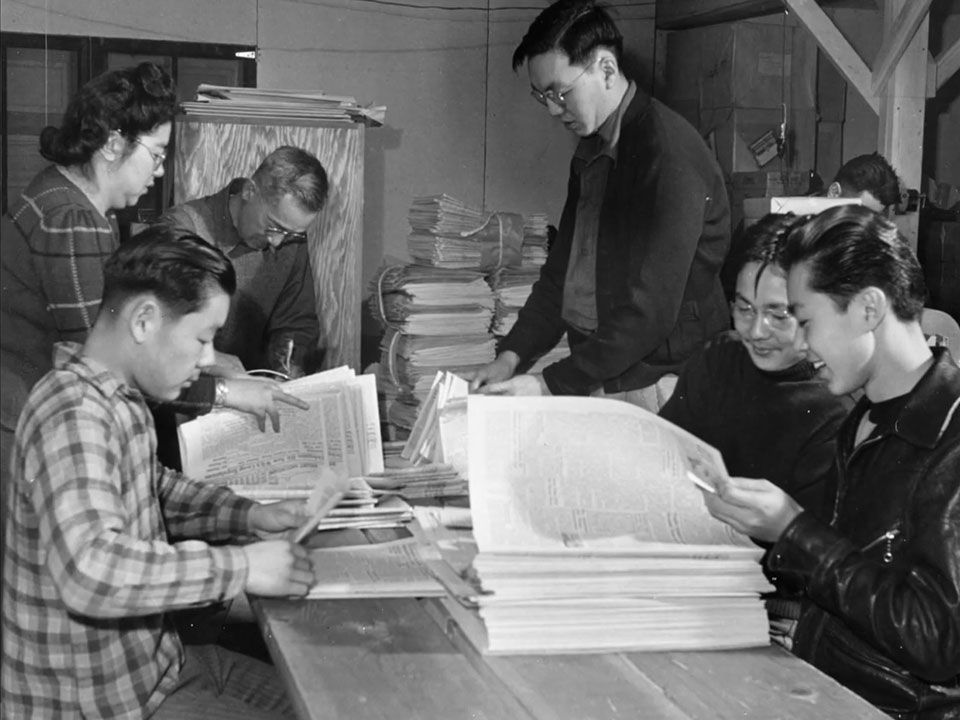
<point x="94" y="556"/>
<point x="69" y="241"/>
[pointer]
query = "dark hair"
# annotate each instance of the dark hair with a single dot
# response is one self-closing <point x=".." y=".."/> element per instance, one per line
<point x="132" y="101"/>
<point x="848" y="248"/>
<point x="574" y="27"/>
<point x="181" y="269"/>
<point x="290" y="170"/>
<point x="871" y="173"/>
<point x="763" y="241"/>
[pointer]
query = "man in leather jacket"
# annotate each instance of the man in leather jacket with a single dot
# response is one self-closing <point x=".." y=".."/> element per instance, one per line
<point x="882" y="578"/>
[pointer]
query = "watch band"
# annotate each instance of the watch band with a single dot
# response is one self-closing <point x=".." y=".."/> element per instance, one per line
<point x="220" y="393"/>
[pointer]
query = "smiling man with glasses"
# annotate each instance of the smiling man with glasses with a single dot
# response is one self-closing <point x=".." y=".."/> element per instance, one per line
<point x="633" y="278"/>
<point x="261" y="223"/>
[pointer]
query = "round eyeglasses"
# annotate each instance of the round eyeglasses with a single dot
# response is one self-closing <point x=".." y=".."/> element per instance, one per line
<point x="558" y="97"/>
<point x="277" y="235"/>
<point x="158" y="157"/>
<point x="776" y="318"/>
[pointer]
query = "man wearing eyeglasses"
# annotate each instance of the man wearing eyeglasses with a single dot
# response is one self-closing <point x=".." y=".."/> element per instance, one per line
<point x="633" y="278"/>
<point x="261" y="224"/>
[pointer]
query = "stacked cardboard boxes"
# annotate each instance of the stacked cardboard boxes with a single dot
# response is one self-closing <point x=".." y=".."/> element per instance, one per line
<point x="738" y="81"/>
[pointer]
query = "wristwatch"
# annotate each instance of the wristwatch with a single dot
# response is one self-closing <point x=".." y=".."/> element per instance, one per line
<point x="220" y="393"/>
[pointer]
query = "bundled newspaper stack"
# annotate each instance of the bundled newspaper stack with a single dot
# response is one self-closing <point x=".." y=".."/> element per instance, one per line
<point x="434" y="319"/>
<point x="472" y="272"/>
<point x="439" y="229"/>
<point x="592" y="537"/>
<point x="535" y="238"/>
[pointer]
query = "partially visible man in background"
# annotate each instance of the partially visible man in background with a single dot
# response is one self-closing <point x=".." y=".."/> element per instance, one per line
<point x="871" y="179"/>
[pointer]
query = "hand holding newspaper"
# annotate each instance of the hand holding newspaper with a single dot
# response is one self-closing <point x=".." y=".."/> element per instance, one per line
<point x="340" y="432"/>
<point x="330" y="488"/>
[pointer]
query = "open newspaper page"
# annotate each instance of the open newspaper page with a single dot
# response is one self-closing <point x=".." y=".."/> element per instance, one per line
<point x="571" y="474"/>
<point x="339" y="432"/>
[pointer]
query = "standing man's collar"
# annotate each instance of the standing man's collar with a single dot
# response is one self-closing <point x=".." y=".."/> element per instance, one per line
<point x="605" y="140"/>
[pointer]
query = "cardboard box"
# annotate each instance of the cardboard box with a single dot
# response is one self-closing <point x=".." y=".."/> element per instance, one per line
<point x="742" y="64"/>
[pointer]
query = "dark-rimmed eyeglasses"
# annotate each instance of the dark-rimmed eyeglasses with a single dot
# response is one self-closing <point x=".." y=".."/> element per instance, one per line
<point x="277" y="235"/>
<point x="558" y="97"/>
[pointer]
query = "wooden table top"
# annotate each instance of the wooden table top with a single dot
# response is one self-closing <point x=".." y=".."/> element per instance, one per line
<point x="405" y="659"/>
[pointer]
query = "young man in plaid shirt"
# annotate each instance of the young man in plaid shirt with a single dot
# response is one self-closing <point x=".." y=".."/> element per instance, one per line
<point x="103" y="542"/>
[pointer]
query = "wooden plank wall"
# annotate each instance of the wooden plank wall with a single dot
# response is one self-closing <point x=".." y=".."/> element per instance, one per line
<point x="210" y="153"/>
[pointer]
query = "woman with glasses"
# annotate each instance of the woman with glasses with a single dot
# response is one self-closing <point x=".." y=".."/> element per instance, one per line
<point x="106" y="154"/>
<point x="752" y="393"/>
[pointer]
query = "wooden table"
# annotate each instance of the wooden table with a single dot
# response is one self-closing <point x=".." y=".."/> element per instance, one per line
<point x="404" y="659"/>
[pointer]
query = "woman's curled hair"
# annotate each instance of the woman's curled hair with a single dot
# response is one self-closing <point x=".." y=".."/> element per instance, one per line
<point x="133" y="101"/>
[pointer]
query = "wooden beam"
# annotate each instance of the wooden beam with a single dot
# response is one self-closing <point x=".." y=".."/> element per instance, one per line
<point x="904" y="28"/>
<point x="948" y="63"/>
<point x="683" y="14"/>
<point x="836" y="47"/>
<point x="902" y="107"/>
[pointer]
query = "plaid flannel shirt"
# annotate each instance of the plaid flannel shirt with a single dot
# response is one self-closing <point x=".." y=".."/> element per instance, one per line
<point x="89" y="569"/>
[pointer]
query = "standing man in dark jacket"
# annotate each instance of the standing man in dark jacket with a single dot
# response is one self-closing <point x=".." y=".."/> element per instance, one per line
<point x="882" y="578"/>
<point x="634" y="275"/>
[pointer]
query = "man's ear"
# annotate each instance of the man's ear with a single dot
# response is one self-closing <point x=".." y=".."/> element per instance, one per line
<point x="248" y="191"/>
<point x="144" y="318"/>
<point x="834" y="191"/>
<point x="608" y="66"/>
<point x="874" y="304"/>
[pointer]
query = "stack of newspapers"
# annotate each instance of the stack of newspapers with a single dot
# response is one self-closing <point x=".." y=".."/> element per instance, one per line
<point x="471" y="272"/>
<point x="447" y="233"/>
<point x="273" y="105"/>
<point x="434" y="319"/>
<point x="535" y="237"/>
<point x="591" y="535"/>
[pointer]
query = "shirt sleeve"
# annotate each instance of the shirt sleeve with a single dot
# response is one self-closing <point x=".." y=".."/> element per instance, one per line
<point x="194" y="509"/>
<point x="906" y="610"/>
<point x="70" y="245"/>
<point x="104" y="561"/>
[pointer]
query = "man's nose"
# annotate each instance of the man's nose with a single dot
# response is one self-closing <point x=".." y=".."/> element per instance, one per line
<point x="757" y="327"/>
<point x="207" y="356"/>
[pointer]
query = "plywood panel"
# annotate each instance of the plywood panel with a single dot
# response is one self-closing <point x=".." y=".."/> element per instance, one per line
<point x="209" y="154"/>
